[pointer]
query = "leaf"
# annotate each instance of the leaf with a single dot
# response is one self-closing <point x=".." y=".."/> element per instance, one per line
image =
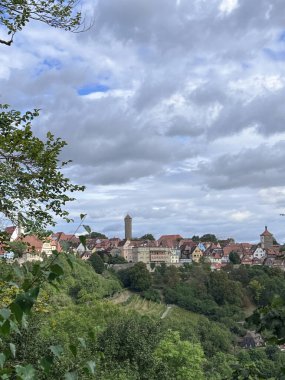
<point x="18" y="272"/>
<point x="91" y="365"/>
<point x="26" y="300"/>
<point x="82" y="239"/>
<point x="82" y="342"/>
<point x="69" y="260"/>
<point x="5" y="313"/>
<point x="56" y="350"/>
<point x="57" y="269"/>
<point x="2" y="359"/>
<point x="73" y="349"/>
<point x="82" y="216"/>
<point x="71" y="376"/>
<point x="26" y="373"/>
<point x="12" y="349"/>
<point x="5" y="327"/>
<point x="46" y="363"/>
<point x="87" y="228"/>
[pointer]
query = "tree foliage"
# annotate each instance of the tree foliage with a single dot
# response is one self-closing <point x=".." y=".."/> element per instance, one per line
<point x="137" y="278"/>
<point x="97" y="235"/>
<point x="209" y="237"/>
<point x="14" y="15"/>
<point x="177" y="359"/>
<point x="147" y="237"/>
<point x="33" y="188"/>
<point x="234" y="257"/>
<point x="97" y="263"/>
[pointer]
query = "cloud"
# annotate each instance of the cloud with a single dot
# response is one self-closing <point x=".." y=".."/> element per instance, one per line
<point x="172" y="110"/>
<point x="240" y="216"/>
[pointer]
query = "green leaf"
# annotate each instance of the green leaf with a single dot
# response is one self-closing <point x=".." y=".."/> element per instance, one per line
<point x="82" y="239"/>
<point x="69" y="260"/>
<point x="73" y="349"/>
<point x="18" y="272"/>
<point x="2" y="359"/>
<point x="87" y="228"/>
<point x="57" y="269"/>
<point x="46" y="363"/>
<point x="12" y="349"/>
<point x="5" y="327"/>
<point x="5" y="313"/>
<point x="82" y="216"/>
<point x="91" y="365"/>
<point x="56" y="350"/>
<point x="26" y="373"/>
<point x="71" y="376"/>
<point x="26" y="300"/>
<point x="82" y="342"/>
<point x="17" y="311"/>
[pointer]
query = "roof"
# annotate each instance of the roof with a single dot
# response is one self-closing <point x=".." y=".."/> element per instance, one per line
<point x="266" y="232"/>
<point x="10" y="230"/>
<point x="33" y="242"/>
<point x="169" y="240"/>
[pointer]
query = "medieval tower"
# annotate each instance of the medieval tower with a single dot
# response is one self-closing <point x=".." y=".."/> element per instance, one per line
<point x="266" y="239"/>
<point x="128" y="227"/>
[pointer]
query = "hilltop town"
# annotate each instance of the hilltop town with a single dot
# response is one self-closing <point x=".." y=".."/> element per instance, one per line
<point x="168" y="249"/>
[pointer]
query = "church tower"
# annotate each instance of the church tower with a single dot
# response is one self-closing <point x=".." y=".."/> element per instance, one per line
<point x="128" y="227"/>
<point x="266" y="239"/>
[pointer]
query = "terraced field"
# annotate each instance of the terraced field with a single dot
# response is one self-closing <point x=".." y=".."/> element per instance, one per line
<point x="134" y="302"/>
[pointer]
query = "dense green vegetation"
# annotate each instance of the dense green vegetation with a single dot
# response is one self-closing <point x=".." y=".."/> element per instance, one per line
<point x="91" y="319"/>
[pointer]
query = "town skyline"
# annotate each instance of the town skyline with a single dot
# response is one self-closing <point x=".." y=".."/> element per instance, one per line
<point x="136" y="233"/>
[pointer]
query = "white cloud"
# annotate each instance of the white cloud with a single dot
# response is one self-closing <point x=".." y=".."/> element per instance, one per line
<point x="228" y="6"/>
<point x="240" y="216"/>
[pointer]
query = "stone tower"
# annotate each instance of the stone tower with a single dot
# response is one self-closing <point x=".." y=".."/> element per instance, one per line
<point x="266" y="239"/>
<point x="128" y="227"/>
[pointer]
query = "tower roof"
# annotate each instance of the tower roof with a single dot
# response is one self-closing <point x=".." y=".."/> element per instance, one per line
<point x="128" y="216"/>
<point x="266" y="232"/>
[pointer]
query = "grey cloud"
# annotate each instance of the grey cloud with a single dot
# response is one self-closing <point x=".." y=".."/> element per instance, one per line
<point x="180" y="126"/>
<point x="254" y="168"/>
<point x="266" y="112"/>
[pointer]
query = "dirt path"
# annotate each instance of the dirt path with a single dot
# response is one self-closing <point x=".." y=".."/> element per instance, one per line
<point x="168" y="308"/>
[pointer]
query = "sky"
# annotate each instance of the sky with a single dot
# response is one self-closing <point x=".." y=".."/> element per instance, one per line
<point x="173" y="112"/>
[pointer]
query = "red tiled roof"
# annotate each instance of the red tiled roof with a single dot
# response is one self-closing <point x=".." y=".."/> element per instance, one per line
<point x="10" y="230"/>
<point x="33" y="242"/>
<point x="266" y="232"/>
<point x="169" y="240"/>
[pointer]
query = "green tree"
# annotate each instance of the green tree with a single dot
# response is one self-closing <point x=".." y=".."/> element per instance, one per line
<point x="179" y="360"/>
<point x="195" y="238"/>
<point x="209" y="237"/>
<point x="33" y="188"/>
<point x="234" y="257"/>
<point x="147" y="237"/>
<point x="97" y="263"/>
<point x="256" y="288"/>
<point x="97" y="235"/>
<point x="140" y="278"/>
<point x="14" y="15"/>
<point x="171" y="276"/>
<point x="130" y="339"/>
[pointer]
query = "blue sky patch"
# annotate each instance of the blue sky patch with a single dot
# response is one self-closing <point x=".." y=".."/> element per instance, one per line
<point x="281" y="37"/>
<point x="275" y="55"/>
<point x="90" y="88"/>
<point x="52" y="63"/>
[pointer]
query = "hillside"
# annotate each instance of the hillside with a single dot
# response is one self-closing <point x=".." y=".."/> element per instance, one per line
<point x="91" y="318"/>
